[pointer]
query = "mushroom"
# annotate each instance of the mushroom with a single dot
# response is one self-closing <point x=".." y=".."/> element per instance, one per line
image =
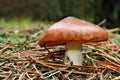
<point x="72" y="32"/>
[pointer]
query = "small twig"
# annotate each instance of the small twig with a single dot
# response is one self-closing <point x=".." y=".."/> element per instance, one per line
<point x="69" y="73"/>
<point x="52" y="74"/>
<point x="7" y="68"/>
<point x="113" y="30"/>
<point x="50" y="53"/>
<point x="100" y="75"/>
<point x="3" y="50"/>
<point x="54" y="78"/>
<point x="106" y="77"/>
<point x="116" y="78"/>
<point x="28" y="76"/>
<point x="91" y="61"/>
<point x="22" y="76"/>
<point x="8" y="76"/>
<point x="39" y="72"/>
<point x="102" y="22"/>
<point x="92" y="78"/>
<point x="47" y="49"/>
<point x="48" y="72"/>
<point x="24" y="67"/>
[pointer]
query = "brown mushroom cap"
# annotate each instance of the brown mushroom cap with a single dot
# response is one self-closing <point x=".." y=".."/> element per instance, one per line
<point x="72" y="29"/>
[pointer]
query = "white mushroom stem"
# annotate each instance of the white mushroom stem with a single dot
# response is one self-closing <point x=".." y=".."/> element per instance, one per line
<point x="73" y="53"/>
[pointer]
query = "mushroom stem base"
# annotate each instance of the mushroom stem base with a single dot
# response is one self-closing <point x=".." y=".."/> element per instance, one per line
<point x="73" y="53"/>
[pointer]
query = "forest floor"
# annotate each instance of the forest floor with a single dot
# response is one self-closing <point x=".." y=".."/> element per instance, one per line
<point x="21" y="58"/>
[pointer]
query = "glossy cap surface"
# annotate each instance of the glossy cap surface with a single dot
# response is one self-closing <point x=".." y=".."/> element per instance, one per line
<point x="72" y="29"/>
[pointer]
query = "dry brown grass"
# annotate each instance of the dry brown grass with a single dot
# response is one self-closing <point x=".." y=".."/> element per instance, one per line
<point x="27" y="61"/>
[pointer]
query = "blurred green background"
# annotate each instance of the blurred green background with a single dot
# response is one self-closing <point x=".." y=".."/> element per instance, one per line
<point x="53" y="10"/>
